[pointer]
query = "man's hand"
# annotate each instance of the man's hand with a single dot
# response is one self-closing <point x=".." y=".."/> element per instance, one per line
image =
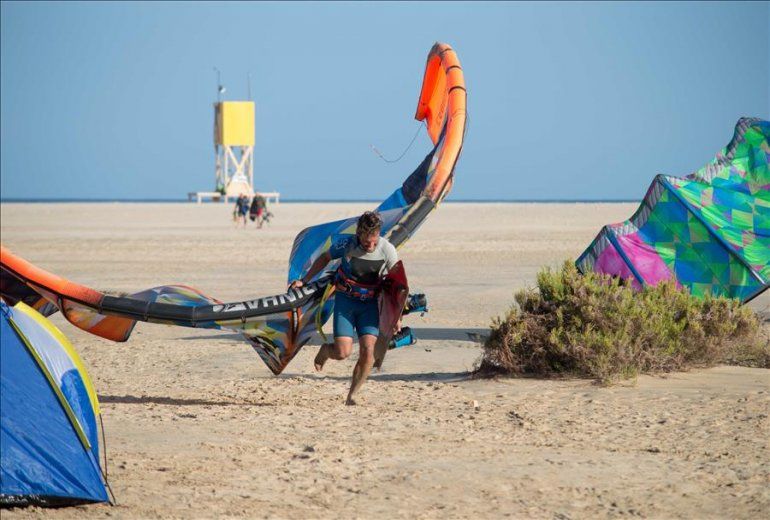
<point x="397" y="327"/>
<point x="296" y="284"/>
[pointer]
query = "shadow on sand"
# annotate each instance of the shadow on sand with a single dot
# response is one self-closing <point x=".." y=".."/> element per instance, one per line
<point x="426" y="333"/>
<point x="449" y="333"/>
<point x="438" y="377"/>
<point x="150" y="399"/>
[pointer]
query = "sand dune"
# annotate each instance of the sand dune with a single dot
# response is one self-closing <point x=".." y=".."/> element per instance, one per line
<point x="197" y="427"/>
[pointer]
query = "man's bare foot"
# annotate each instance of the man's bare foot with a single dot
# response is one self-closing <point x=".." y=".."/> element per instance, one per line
<point x="321" y="357"/>
<point x="350" y="401"/>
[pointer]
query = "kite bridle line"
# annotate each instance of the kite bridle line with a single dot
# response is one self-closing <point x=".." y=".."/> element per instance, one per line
<point x="389" y="161"/>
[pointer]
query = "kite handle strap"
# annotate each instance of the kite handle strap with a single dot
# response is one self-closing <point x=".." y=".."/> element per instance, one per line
<point x="318" y="325"/>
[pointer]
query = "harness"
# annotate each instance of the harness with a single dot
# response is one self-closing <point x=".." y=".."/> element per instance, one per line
<point x="349" y="287"/>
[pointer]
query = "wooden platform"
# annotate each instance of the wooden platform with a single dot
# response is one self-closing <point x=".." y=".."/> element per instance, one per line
<point x="272" y="197"/>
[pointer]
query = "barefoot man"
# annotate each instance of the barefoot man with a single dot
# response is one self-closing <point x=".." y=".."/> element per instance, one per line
<point x="365" y="258"/>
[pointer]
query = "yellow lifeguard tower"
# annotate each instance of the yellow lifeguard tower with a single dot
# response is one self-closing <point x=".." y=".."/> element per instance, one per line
<point x="234" y="148"/>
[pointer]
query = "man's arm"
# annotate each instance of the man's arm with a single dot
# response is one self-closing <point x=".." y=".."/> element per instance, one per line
<point x="391" y="256"/>
<point x="392" y="259"/>
<point x="316" y="268"/>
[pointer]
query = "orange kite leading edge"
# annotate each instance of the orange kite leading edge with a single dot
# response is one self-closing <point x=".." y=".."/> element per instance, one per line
<point x="442" y="105"/>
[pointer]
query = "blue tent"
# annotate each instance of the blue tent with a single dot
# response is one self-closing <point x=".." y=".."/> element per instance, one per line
<point x="49" y="442"/>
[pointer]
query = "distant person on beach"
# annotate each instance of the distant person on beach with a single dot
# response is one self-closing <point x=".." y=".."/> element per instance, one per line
<point x="241" y="209"/>
<point x="257" y="209"/>
<point x="365" y="258"/>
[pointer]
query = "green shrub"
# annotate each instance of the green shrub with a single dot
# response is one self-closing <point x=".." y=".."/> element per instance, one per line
<point x="600" y="327"/>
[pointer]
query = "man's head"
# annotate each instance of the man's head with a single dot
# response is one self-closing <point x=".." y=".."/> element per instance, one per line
<point x="368" y="230"/>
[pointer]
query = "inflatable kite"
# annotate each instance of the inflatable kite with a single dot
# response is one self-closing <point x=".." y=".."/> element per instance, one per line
<point x="709" y="231"/>
<point x="277" y="326"/>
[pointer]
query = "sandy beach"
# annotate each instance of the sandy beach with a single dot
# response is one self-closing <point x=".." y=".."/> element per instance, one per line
<point x="197" y="426"/>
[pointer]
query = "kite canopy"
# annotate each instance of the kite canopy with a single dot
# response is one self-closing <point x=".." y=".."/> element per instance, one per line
<point x="49" y="410"/>
<point x="709" y="231"/>
<point x="277" y="326"/>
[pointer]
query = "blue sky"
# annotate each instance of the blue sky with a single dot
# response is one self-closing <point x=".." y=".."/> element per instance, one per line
<point x="566" y="100"/>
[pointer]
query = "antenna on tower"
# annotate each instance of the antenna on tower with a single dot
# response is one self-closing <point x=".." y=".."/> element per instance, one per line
<point x="220" y="88"/>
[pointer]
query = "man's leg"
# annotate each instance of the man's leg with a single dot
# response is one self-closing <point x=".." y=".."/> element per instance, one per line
<point x="339" y="350"/>
<point x="344" y="316"/>
<point x="363" y="366"/>
<point x="367" y="325"/>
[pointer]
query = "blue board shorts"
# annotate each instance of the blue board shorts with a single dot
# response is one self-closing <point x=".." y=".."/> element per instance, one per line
<point x="353" y="313"/>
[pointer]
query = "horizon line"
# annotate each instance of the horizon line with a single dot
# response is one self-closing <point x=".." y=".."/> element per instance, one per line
<point x="71" y="200"/>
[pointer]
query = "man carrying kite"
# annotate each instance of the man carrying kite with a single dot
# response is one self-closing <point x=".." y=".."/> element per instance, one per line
<point x="365" y="258"/>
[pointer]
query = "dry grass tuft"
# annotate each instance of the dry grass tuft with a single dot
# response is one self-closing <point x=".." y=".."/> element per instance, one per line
<point x="598" y="327"/>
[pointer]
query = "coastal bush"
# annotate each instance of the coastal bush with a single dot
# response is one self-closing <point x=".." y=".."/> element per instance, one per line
<point x="600" y="327"/>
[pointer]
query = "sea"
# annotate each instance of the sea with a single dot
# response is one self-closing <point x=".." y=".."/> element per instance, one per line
<point x="301" y="201"/>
